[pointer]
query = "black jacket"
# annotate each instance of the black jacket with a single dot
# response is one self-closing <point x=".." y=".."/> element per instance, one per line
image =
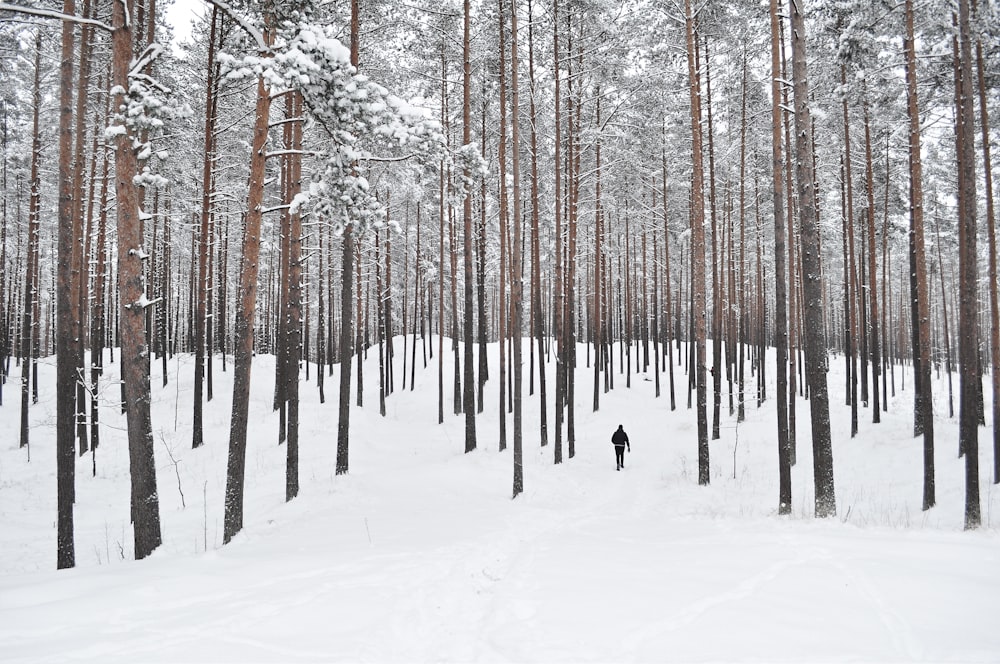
<point x="619" y="437"/>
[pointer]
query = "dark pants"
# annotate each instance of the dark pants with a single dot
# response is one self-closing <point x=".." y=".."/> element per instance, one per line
<point x="620" y="456"/>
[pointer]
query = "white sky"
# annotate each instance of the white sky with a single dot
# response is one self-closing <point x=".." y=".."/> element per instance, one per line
<point x="180" y="15"/>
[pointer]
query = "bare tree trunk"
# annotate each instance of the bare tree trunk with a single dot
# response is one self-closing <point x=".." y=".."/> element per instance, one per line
<point x="79" y="270"/>
<point x="28" y="318"/>
<point x="468" y="379"/>
<point x="743" y="312"/>
<point x="444" y="100"/>
<point x="873" y="346"/>
<point x="98" y="322"/>
<point x="853" y="297"/>
<point x="538" y="326"/>
<point x="65" y="357"/>
<point x="206" y="207"/>
<point x="666" y="270"/>
<point x="502" y="158"/>
<point x="516" y="279"/>
<point x="292" y="318"/>
<point x="244" y="325"/>
<point x="984" y="121"/>
<point x="697" y="249"/>
<point x="816" y="361"/>
<point x="716" y="262"/>
<point x="484" y="368"/>
<point x="558" y="312"/>
<point x="923" y="394"/>
<point x="347" y="331"/>
<point x="134" y="351"/>
<point x="781" y="325"/>
<point x="968" y="290"/>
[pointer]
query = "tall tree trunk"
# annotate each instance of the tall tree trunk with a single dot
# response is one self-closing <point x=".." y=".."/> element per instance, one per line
<point x="853" y="298"/>
<point x="468" y="379"/>
<point x="28" y="319"/>
<point x="666" y="271"/>
<point x="873" y="340"/>
<point x="984" y="121"/>
<point x="968" y="338"/>
<point x="516" y="272"/>
<point x="816" y="360"/>
<point x="206" y="206"/>
<point x="716" y="262"/>
<point x="780" y="322"/>
<point x="65" y="356"/>
<point x="244" y="325"/>
<point x="79" y="269"/>
<point x="134" y="351"/>
<point x="481" y="276"/>
<point x="538" y="327"/>
<point x="923" y="394"/>
<point x="347" y="330"/>
<point x="697" y="249"/>
<point x="292" y="318"/>
<point x="502" y="158"/>
<point x="558" y="323"/>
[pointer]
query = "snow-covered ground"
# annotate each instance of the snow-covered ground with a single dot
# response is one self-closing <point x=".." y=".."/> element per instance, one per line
<point x="419" y="553"/>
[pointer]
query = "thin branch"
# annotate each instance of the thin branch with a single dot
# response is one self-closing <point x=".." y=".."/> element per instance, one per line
<point x="248" y="27"/>
<point x="50" y="13"/>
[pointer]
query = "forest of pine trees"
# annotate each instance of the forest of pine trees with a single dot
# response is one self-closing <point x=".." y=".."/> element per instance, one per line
<point x="585" y="183"/>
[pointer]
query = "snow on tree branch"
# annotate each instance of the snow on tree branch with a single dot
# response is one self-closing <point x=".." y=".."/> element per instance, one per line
<point x="51" y="13"/>
<point x="357" y="115"/>
<point x="140" y="113"/>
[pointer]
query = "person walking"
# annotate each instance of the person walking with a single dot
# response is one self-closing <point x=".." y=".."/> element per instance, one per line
<point x="620" y="440"/>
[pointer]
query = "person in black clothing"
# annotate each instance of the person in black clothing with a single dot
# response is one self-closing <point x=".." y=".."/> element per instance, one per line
<point x="620" y="440"/>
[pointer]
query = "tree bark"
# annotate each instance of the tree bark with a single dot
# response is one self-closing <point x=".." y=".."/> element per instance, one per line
<point x="780" y="322"/>
<point x="968" y="290"/>
<point x="468" y="379"/>
<point x="816" y="360"/>
<point x="697" y="249"/>
<point x="65" y="357"/>
<point x="134" y="358"/>
<point x="197" y="438"/>
<point x="923" y="394"/>
<point x="516" y="280"/>
<point x="244" y="324"/>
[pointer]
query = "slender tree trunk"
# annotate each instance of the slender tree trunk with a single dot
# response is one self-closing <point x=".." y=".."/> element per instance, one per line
<point x="502" y="157"/>
<point x="716" y="262"/>
<point x="873" y="341"/>
<point x="79" y="269"/>
<point x="538" y="326"/>
<point x="780" y="322"/>
<point x="244" y="325"/>
<point x="854" y="298"/>
<point x="134" y="351"/>
<point x="816" y="360"/>
<point x="468" y="379"/>
<point x="292" y="319"/>
<point x="206" y="206"/>
<point x="558" y="323"/>
<point x="984" y="121"/>
<point x="921" y="320"/>
<point x="666" y="270"/>
<point x="347" y="332"/>
<point x="65" y="357"/>
<point x="697" y="249"/>
<point x="481" y="276"/>
<point x="516" y="272"/>
<point x="968" y="290"/>
<point x="28" y="318"/>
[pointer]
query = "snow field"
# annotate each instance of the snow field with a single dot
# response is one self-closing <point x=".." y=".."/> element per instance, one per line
<point x="419" y="554"/>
